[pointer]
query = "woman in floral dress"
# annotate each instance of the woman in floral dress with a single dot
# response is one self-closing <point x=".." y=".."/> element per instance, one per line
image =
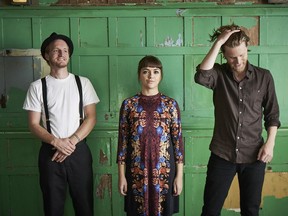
<point x="150" y="148"/>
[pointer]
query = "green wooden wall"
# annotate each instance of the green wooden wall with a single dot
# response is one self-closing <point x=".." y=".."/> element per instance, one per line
<point x="109" y="42"/>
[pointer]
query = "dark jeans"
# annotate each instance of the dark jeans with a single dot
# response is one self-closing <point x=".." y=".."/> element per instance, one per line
<point x="75" y="171"/>
<point x="220" y="174"/>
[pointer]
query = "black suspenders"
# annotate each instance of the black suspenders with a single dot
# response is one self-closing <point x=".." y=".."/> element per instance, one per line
<point x="81" y="98"/>
<point x="44" y="92"/>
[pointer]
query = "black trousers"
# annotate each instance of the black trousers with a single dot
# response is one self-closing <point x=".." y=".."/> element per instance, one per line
<point x="75" y="172"/>
<point x="220" y="175"/>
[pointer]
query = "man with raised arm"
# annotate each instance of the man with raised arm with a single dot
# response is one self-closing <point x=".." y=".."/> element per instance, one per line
<point x="243" y="96"/>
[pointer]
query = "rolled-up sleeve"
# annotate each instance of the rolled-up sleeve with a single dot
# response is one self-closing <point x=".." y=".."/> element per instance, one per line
<point x="270" y="105"/>
<point x="206" y="78"/>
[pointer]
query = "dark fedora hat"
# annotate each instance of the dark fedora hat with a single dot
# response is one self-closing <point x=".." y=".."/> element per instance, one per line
<point x="54" y="36"/>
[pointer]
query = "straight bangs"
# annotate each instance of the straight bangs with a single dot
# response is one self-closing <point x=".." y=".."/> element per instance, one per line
<point x="149" y="61"/>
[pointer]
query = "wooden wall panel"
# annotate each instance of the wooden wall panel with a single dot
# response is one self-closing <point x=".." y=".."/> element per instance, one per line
<point x="93" y="32"/>
<point x="109" y="42"/>
<point x="54" y="24"/>
<point x="279" y="72"/>
<point x="96" y="68"/>
<point x="11" y="38"/>
<point x="130" y="32"/>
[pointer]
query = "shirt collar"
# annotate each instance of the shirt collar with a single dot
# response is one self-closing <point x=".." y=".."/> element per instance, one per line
<point x="250" y="70"/>
<point x="249" y="73"/>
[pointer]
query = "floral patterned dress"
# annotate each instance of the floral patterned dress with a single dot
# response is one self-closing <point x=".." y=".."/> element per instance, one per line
<point x="150" y="144"/>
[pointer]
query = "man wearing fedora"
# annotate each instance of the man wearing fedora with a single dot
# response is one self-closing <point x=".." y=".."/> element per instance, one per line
<point x="61" y="113"/>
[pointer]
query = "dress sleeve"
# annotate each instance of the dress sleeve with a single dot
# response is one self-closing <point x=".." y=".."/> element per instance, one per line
<point x="123" y="133"/>
<point x="176" y="133"/>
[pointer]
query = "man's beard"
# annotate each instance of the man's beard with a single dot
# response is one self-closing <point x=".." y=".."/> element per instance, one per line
<point x="239" y="70"/>
<point x="59" y="64"/>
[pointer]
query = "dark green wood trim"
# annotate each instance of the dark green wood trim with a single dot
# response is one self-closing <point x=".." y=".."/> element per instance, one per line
<point x="144" y="11"/>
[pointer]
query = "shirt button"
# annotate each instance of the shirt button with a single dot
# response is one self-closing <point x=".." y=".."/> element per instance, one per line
<point x="240" y="112"/>
<point x="240" y="124"/>
<point x="238" y="137"/>
<point x="240" y="87"/>
<point x="241" y="100"/>
<point x="237" y="150"/>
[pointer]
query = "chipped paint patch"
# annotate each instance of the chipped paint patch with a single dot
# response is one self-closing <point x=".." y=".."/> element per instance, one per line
<point x="20" y="52"/>
<point x="253" y="33"/>
<point x="103" y="157"/>
<point x="105" y="183"/>
<point x="141" y="39"/>
<point x="238" y="210"/>
<point x="275" y="184"/>
<point x="169" y="41"/>
<point x="180" y="12"/>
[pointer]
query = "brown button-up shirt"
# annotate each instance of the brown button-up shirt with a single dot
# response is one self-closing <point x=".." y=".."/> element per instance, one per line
<point x="239" y="110"/>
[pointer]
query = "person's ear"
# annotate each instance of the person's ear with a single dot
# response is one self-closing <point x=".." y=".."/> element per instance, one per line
<point x="46" y="55"/>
